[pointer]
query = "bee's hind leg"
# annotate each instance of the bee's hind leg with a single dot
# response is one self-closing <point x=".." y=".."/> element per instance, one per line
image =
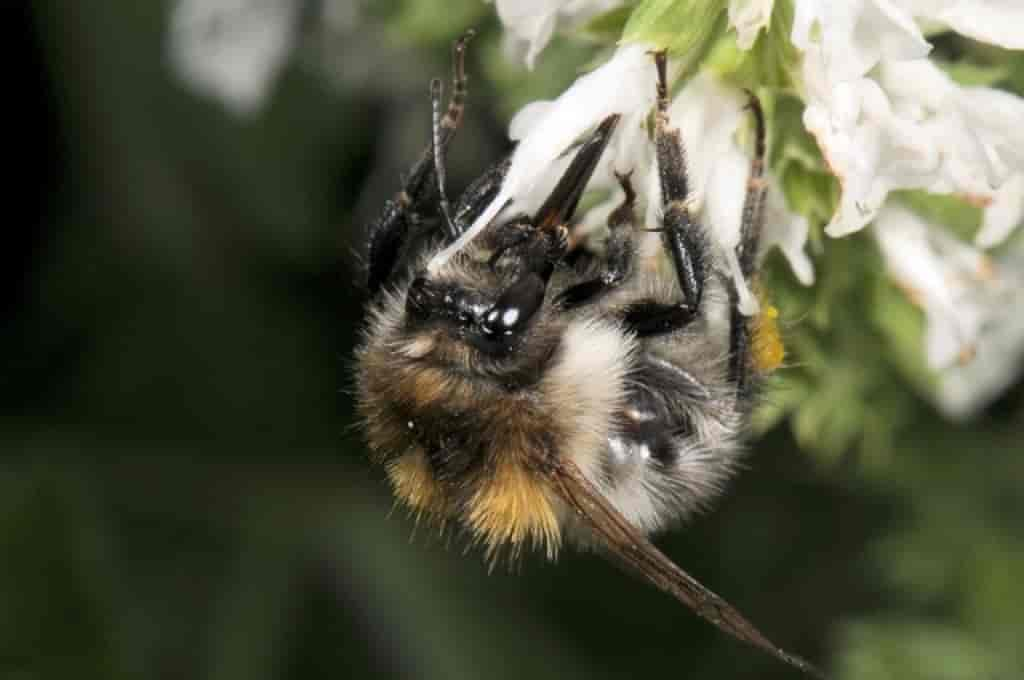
<point x="741" y="368"/>
<point x="685" y="240"/>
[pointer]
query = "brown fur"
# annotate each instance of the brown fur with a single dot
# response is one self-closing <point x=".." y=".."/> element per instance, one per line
<point x="409" y="380"/>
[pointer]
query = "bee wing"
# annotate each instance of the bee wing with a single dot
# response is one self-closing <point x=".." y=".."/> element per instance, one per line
<point x="635" y="551"/>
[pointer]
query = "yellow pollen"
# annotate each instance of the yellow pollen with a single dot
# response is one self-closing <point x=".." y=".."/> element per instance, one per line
<point x="768" y="350"/>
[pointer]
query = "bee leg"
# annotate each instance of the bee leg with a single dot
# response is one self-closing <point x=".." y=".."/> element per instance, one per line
<point x="684" y="238"/>
<point x="418" y="197"/>
<point x="740" y="362"/>
<point x="618" y="258"/>
<point x="753" y="204"/>
<point x="478" y="195"/>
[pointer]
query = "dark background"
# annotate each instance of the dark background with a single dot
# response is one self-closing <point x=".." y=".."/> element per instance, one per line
<point x="183" y="493"/>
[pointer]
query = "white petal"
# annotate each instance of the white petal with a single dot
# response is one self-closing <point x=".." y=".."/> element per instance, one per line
<point x="788" y="231"/>
<point x="976" y="130"/>
<point x="915" y="264"/>
<point x="708" y="114"/>
<point x="974" y="336"/>
<point x="232" y="49"/>
<point x="723" y="195"/>
<point x="885" y="118"/>
<point x="625" y="85"/>
<point x="854" y="35"/>
<point x="596" y="218"/>
<point x="912" y="128"/>
<point x="966" y="388"/>
<point x="526" y="118"/>
<point x="650" y="245"/>
<point x="531" y="23"/>
<point x="1004" y="214"/>
<point x="997" y="22"/>
<point x="747" y="303"/>
<point x="748" y="17"/>
<point x="540" y="40"/>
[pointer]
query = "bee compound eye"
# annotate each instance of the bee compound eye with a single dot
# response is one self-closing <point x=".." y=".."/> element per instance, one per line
<point x="515" y="307"/>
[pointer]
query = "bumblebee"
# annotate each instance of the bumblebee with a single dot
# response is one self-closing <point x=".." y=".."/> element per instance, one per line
<point x="533" y="389"/>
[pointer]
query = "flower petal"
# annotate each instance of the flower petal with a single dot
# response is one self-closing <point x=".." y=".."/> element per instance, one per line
<point x="992" y="21"/>
<point x="748" y="17"/>
<point x="917" y="268"/>
<point x="1004" y="214"/>
<point x="624" y="85"/>
<point x="530" y="24"/>
<point x="788" y="231"/>
<point x="232" y="49"/>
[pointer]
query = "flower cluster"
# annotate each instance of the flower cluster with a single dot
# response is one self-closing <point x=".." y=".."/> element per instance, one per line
<point x="881" y="118"/>
<point x="885" y="118"/>
<point x="232" y="49"/>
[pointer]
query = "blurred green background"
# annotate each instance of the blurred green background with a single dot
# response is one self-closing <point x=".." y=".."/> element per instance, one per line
<point x="183" y="493"/>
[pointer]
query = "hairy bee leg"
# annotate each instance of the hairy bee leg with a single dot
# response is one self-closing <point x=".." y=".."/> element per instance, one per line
<point x="478" y="195"/>
<point x="740" y="362"/>
<point x="683" y="237"/>
<point x="388" y="233"/>
<point x="753" y="204"/>
<point x="618" y="259"/>
<point x="439" y="169"/>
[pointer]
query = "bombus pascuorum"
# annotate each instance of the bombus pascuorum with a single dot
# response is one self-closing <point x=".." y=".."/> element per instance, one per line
<point x="531" y="389"/>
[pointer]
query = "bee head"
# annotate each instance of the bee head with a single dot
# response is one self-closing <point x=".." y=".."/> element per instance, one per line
<point x="490" y="305"/>
<point x="489" y="297"/>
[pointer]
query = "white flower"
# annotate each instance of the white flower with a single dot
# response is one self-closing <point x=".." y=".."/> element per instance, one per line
<point x="708" y="115"/>
<point x="531" y="23"/>
<point x="974" y="307"/>
<point x="1004" y="214"/>
<point x="232" y="49"/>
<point x="886" y="118"/>
<point x="748" y="17"/>
<point x="921" y="259"/>
<point x="848" y="38"/>
<point x="993" y="21"/>
<point x="625" y="85"/>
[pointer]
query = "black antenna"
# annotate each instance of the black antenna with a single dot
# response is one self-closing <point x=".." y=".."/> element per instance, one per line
<point x="435" y="144"/>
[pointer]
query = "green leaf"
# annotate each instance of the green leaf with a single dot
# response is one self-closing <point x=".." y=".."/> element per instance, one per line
<point x="607" y="27"/>
<point x="428" y="22"/>
<point x="809" y="193"/>
<point x="770" y="61"/>
<point x="688" y="29"/>
<point x="959" y="215"/>
<point x="974" y="74"/>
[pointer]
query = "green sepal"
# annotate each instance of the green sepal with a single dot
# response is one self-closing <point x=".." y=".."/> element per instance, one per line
<point x="769" y="63"/>
<point x="687" y="29"/>
<point x="607" y="27"/>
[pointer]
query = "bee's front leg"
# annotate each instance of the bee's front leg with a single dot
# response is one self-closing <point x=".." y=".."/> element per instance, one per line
<point x="418" y="198"/>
